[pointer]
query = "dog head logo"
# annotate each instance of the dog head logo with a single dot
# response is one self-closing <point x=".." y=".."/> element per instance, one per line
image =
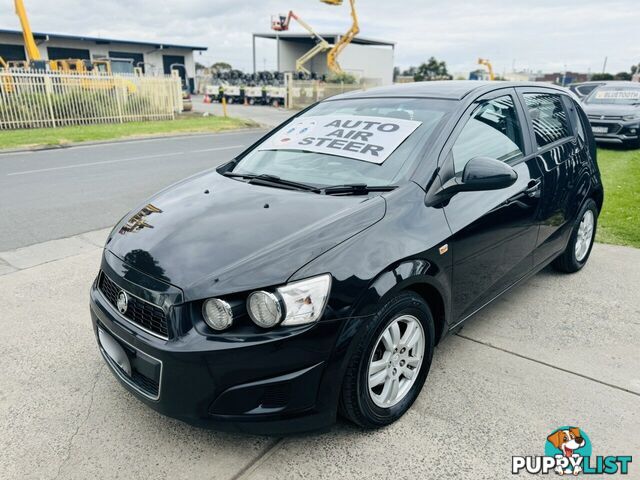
<point x="568" y="442"/>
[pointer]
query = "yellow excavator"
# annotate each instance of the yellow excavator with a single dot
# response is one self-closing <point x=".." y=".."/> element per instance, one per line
<point x="280" y="23"/>
<point x="346" y="39"/>
<point x="487" y="63"/>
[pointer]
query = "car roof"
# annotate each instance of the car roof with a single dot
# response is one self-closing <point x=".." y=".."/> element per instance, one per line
<point x="441" y="89"/>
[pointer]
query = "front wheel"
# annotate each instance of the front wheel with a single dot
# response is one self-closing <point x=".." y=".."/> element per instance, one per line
<point x="580" y="243"/>
<point x="390" y="363"/>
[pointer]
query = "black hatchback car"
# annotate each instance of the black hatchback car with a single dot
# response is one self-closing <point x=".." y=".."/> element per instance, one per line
<point x="314" y="274"/>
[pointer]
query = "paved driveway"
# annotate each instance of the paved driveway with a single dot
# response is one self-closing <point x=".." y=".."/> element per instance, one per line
<point x="557" y="350"/>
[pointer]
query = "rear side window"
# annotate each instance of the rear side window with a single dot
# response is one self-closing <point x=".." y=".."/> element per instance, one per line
<point x="493" y="131"/>
<point x="548" y="116"/>
<point x="575" y="119"/>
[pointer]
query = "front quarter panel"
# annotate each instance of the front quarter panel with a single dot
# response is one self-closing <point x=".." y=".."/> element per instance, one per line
<point x="400" y="250"/>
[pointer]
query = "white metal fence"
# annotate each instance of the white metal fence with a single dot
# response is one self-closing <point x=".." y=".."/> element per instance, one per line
<point x="33" y="99"/>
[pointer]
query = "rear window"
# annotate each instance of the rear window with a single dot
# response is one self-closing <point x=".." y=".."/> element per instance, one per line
<point x="548" y="116"/>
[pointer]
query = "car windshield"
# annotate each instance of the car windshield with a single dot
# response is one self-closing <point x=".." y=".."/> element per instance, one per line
<point x="622" y="95"/>
<point x="418" y="119"/>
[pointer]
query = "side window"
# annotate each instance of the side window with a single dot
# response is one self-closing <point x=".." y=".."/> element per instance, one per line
<point x="493" y="131"/>
<point x="548" y="116"/>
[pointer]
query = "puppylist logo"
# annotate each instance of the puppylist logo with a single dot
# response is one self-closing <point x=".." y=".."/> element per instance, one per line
<point x="567" y="451"/>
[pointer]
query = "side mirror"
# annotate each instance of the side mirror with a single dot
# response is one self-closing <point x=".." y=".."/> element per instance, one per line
<point x="484" y="173"/>
<point x="480" y="173"/>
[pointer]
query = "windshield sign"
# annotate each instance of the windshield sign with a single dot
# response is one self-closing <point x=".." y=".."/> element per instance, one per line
<point x="618" y="94"/>
<point x="367" y="138"/>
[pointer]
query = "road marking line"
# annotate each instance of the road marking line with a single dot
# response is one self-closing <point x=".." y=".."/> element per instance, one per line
<point x="118" y="160"/>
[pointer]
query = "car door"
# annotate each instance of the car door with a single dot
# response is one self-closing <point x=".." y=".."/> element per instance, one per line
<point x="558" y="153"/>
<point x="494" y="232"/>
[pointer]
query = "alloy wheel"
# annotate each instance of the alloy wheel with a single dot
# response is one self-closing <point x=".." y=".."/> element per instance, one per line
<point x="584" y="236"/>
<point x="395" y="361"/>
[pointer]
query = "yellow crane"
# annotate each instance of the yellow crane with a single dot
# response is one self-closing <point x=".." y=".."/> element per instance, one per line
<point x="280" y="23"/>
<point x="487" y="63"/>
<point x="34" y="60"/>
<point x="346" y="39"/>
<point x="33" y="54"/>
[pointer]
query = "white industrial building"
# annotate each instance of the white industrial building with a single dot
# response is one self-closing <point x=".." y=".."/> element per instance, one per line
<point x="152" y="57"/>
<point x="363" y="57"/>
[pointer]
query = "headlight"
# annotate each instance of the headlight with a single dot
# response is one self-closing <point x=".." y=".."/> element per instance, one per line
<point x="217" y="314"/>
<point x="305" y="300"/>
<point x="264" y="309"/>
<point x="635" y="116"/>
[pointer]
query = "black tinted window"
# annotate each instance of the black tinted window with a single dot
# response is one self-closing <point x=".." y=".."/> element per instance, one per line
<point x="493" y="131"/>
<point x="548" y="116"/>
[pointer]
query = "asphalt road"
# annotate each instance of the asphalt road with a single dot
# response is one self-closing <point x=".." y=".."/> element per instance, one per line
<point x="50" y="194"/>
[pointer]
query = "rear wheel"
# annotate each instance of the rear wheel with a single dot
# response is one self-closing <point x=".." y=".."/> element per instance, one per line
<point x="390" y="364"/>
<point x="580" y="244"/>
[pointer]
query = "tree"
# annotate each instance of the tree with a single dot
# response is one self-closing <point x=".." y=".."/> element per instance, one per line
<point x="410" y="72"/>
<point x="634" y="69"/>
<point x="396" y="73"/>
<point x="432" y="70"/>
<point x="622" y="76"/>
<point x="200" y="66"/>
<point x="221" y="66"/>
<point x="602" y="76"/>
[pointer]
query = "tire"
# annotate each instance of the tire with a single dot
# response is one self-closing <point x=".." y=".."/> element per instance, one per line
<point x="357" y="402"/>
<point x="572" y="260"/>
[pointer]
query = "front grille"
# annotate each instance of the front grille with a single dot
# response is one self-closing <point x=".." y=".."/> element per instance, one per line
<point x="605" y="117"/>
<point x="148" y="316"/>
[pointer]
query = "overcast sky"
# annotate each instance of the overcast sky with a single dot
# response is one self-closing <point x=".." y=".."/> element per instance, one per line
<point x="542" y="35"/>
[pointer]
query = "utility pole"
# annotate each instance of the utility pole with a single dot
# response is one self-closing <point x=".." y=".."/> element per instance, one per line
<point x="604" y="65"/>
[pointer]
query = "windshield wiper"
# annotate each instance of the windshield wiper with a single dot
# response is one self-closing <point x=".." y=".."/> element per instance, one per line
<point x="356" y="189"/>
<point x="272" y="181"/>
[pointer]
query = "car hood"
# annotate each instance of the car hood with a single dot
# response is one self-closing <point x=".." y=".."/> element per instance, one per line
<point x="610" y="109"/>
<point x="213" y="235"/>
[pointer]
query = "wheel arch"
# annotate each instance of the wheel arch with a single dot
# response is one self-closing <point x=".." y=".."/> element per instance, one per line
<point x="434" y="299"/>
<point x="598" y="197"/>
<point x="419" y="276"/>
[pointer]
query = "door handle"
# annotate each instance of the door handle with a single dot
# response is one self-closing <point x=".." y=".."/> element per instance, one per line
<point x="533" y="188"/>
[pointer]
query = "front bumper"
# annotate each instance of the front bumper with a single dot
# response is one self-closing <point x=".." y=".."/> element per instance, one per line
<point x="615" y="131"/>
<point x="275" y="385"/>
